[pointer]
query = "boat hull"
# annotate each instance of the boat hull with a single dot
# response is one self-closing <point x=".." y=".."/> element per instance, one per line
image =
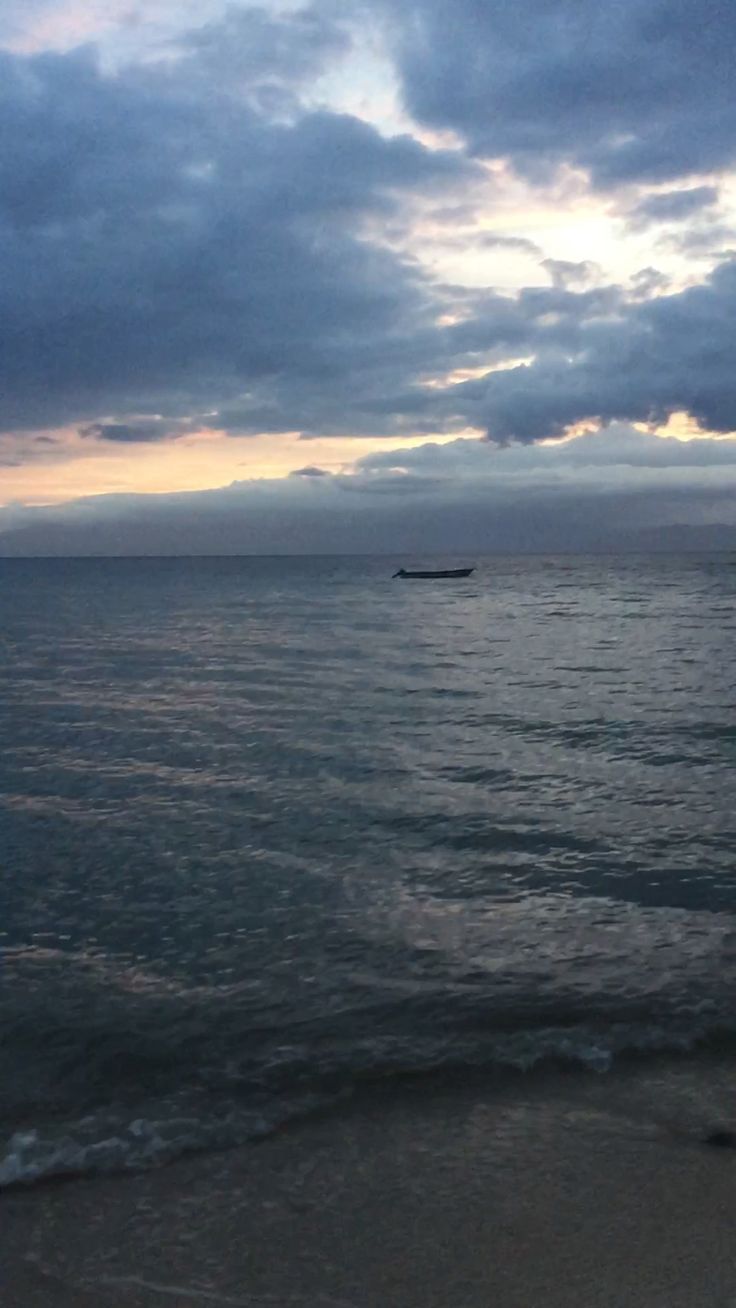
<point x="432" y="576"/>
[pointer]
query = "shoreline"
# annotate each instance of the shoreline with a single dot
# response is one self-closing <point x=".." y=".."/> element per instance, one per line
<point x="136" y="1136"/>
<point x="572" y="1191"/>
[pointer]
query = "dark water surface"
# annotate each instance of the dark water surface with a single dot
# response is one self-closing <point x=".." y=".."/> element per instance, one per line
<point x="271" y="826"/>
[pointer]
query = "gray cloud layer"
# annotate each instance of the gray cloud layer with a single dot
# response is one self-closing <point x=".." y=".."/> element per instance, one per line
<point x="640" y="363"/>
<point x="606" y="490"/>
<point x="671" y="206"/>
<point x="165" y="248"/>
<point x="640" y="90"/>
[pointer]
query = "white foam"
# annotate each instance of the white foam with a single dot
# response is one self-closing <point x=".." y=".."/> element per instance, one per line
<point x="29" y="1157"/>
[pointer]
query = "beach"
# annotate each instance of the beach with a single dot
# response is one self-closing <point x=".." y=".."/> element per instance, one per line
<point x="566" y="1189"/>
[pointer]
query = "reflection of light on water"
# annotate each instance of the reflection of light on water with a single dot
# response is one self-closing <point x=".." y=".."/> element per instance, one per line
<point x="590" y="943"/>
<point x="38" y="967"/>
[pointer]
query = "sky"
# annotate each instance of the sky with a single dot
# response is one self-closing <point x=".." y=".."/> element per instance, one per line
<point x="442" y="276"/>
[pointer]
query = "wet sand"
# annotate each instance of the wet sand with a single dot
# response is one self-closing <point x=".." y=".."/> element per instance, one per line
<point x="565" y="1190"/>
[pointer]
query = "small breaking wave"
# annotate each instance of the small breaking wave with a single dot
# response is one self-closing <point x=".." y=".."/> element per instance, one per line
<point x="104" y="1142"/>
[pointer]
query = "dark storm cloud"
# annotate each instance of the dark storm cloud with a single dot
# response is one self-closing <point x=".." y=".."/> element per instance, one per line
<point x="671" y="206"/>
<point x="637" y="90"/>
<point x="164" y="248"/>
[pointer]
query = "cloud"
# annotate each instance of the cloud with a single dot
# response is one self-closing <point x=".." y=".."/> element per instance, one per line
<point x="395" y="482"/>
<point x="671" y="206"/>
<point x="454" y="215"/>
<point x="380" y="388"/>
<point x="637" y="91"/>
<point x="189" y="238"/>
<point x="604" y="490"/>
<point x="648" y="281"/>
<point x="495" y="241"/>
<point x="600" y="354"/>
<point x="615" y="447"/>
<point x="144" y="432"/>
<point x="641" y="363"/>
<point x="309" y="471"/>
<point x="265" y="56"/>
<point x="165" y="248"/>
<point x="565" y="273"/>
<point x="706" y="240"/>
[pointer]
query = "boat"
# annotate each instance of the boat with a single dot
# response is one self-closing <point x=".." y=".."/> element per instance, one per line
<point x="430" y="576"/>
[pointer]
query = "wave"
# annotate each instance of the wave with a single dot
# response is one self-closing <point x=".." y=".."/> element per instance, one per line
<point x="110" y="1141"/>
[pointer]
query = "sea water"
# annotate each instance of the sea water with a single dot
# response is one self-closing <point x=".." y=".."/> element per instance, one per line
<point x="271" y="828"/>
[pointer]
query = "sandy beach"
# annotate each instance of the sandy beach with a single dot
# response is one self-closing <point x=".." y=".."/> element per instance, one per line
<point x="559" y="1189"/>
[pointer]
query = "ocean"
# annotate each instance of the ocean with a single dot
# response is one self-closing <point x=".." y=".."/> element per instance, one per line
<point x="274" y="829"/>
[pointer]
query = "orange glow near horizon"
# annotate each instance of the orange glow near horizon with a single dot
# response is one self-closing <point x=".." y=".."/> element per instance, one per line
<point x="74" y="469"/>
<point x="205" y="461"/>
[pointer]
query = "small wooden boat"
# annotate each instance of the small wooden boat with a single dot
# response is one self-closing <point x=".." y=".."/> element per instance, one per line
<point x="430" y="576"/>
